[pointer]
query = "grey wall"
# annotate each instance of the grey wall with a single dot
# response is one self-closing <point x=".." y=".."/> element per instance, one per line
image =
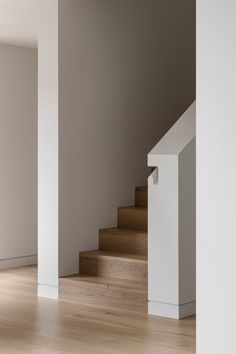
<point x="126" y="73"/>
<point x="18" y="154"/>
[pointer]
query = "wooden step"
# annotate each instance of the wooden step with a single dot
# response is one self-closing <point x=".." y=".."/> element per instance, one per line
<point x="114" y="265"/>
<point x="141" y="197"/>
<point x="132" y="218"/>
<point x="123" y="240"/>
<point x="105" y="292"/>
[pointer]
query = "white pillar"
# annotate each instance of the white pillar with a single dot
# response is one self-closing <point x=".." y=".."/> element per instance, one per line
<point x="48" y="149"/>
<point x="216" y="176"/>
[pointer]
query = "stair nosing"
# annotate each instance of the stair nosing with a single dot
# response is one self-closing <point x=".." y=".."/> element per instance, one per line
<point x="106" y="282"/>
<point x="124" y="231"/>
<point x="133" y="207"/>
<point x="119" y="256"/>
<point x="141" y="188"/>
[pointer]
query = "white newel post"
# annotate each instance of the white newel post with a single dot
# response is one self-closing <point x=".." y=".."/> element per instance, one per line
<point x="171" y="221"/>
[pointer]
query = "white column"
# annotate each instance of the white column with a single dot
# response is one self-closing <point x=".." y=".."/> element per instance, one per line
<point x="48" y="149"/>
<point x="216" y="176"/>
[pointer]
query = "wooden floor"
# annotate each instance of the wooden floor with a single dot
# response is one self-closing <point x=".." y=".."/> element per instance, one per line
<point x="39" y="326"/>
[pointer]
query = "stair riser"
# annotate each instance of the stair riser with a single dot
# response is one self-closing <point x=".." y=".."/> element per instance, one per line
<point x="120" y="243"/>
<point x="113" y="268"/>
<point x="141" y="198"/>
<point x="109" y="296"/>
<point x="132" y="219"/>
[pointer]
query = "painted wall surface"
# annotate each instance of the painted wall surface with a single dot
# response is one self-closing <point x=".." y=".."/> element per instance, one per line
<point x="216" y="175"/>
<point x="127" y="72"/>
<point x="18" y="155"/>
<point x="48" y="149"/>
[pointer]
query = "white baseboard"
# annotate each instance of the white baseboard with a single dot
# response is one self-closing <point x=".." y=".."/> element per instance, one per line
<point x="171" y="311"/>
<point x="48" y="291"/>
<point x="18" y="262"/>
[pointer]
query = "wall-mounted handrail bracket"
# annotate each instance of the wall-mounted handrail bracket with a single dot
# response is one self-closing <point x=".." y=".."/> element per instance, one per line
<point x="155" y="176"/>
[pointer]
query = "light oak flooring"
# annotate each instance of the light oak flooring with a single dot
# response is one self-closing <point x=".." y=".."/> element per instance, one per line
<point x="39" y="326"/>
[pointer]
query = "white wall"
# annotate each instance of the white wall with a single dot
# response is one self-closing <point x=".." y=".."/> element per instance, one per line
<point x="216" y="176"/>
<point x="48" y="149"/>
<point x="127" y="72"/>
<point x="18" y="156"/>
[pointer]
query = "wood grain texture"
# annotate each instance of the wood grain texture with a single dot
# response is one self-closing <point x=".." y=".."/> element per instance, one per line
<point x="106" y="292"/>
<point x="29" y="325"/>
<point x="122" y="255"/>
<point x="141" y="197"/>
<point x="132" y="218"/>
<point x="114" y="265"/>
<point x="123" y="240"/>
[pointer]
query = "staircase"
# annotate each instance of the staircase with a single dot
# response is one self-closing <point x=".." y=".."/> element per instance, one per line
<point x="116" y="274"/>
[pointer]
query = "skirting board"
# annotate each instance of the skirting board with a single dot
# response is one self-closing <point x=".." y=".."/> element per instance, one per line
<point x="48" y="291"/>
<point x="18" y="262"/>
<point x="171" y="311"/>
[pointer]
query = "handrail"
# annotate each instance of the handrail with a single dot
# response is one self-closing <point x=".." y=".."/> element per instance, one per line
<point x="175" y="140"/>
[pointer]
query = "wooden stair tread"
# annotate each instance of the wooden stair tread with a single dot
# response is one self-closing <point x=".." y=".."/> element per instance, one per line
<point x="123" y="240"/>
<point x="114" y="265"/>
<point x="132" y="217"/>
<point x="133" y="208"/>
<point x="141" y="197"/>
<point x="127" y="295"/>
<point x="109" y="282"/>
<point x="124" y="231"/>
<point x="118" y="256"/>
<point x="142" y="188"/>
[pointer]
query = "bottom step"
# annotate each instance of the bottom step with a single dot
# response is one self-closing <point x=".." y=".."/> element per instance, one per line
<point x="114" y="265"/>
<point x="105" y="292"/>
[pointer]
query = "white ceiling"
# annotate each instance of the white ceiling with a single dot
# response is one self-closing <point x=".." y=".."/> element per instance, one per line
<point x="18" y="22"/>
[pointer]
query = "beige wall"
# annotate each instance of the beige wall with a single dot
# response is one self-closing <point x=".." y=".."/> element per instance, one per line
<point x="126" y="73"/>
<point x="18" y="155"/>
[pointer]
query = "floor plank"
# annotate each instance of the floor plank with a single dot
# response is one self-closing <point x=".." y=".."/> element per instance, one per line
<point x="39" y="326"/>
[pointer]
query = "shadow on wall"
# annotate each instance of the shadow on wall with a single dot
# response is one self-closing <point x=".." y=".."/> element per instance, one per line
<point x="18" y="156"/>
<point x="127" y="72"/>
